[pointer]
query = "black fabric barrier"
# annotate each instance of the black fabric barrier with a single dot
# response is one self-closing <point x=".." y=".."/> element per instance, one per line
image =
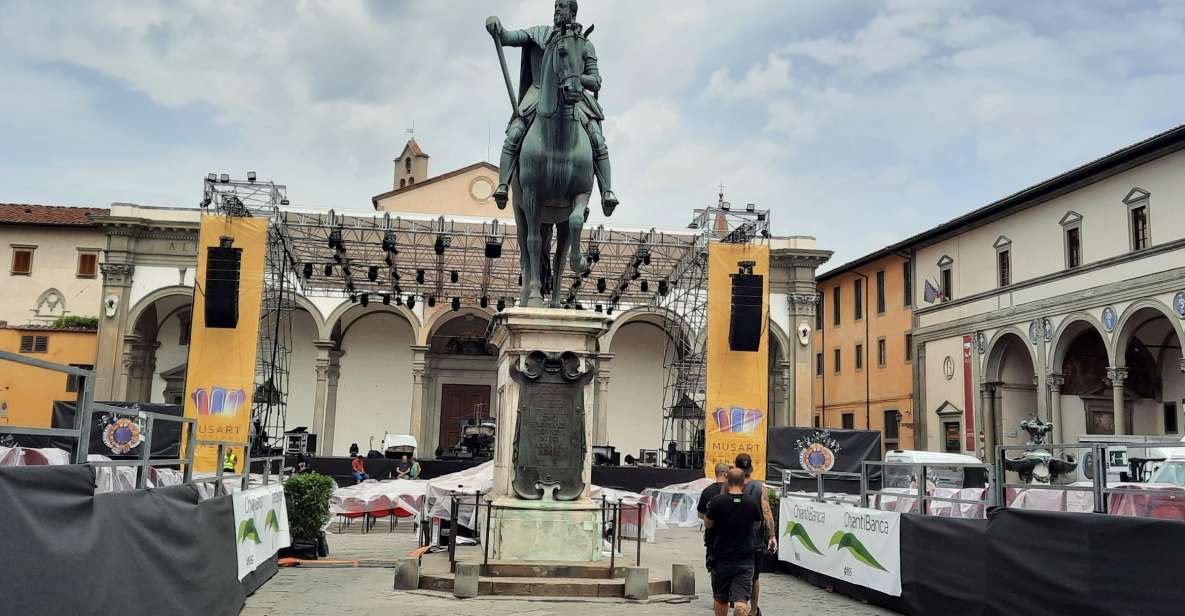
<point x="69" y="551"/>
<point x="942" y="565"/>
<point x="638" y="478"/>
<point x="851" y="449"/>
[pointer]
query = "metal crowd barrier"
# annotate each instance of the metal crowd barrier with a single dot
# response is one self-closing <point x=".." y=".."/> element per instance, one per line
<point x="1099" y="482"/>
<point x="84" y="412"/>
<point x="919" y="472"/>
<point x="819" y="479"/>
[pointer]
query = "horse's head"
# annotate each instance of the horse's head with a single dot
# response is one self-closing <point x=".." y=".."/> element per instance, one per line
<point x="561" y="88"/>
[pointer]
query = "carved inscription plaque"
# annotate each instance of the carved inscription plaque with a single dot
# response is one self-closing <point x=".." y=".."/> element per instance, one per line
<point x="549" y="436"/>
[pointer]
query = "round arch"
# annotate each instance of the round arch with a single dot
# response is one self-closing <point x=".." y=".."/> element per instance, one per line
<point x="1129" y="323"/>
<point x="438" y="320"/>
<point x="782" y="339"/>
<point x="137" y="310"/>
<point x="995" y="352"/>
<point x="335" y="318"/>
<point x="1070" y="328"/>
<point x="308" y="306"/>
<point x="657" y="316"/>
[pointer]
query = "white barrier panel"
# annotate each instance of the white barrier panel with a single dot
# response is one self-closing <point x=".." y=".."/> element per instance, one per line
<point x="857" y="545"/>
<point x="261" y="525"/>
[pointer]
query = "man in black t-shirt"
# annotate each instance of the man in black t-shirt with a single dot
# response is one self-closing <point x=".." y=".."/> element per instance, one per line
<point x="710" y="492"/>
<point x="732" y="518"/>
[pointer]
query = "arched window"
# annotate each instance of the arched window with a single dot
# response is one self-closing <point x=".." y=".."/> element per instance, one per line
<point x="411" y="181"/>
<point x="402" y="183"/>
<point x="407" y="164"/>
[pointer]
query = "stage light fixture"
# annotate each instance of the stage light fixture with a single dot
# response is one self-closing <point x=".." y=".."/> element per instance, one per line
<point x="398" y="300"/>
<point x="250" y="176"/>
<point x="439" y="245"/>
<point x="761" y="217"/>
<point x="456" y="303"/>
<point x="600" y="285"/>
<point x="353" y="299"/>
<point x="493" y="248"/>
<point x="211" y="177"/>
<point x="307" y="270"/>
<point x="484" y="302"/>
<point x="389" y="243"/>
<point x="372" y="273"/>
<point x="594" y="254"/>
<point x="501" y="305"/>
<point x="420" y="276"/>
<point x="284" y="201"/>
<point x="411" y="302"/>
<point x="663" y="288"/>
<point x="579" y="306"/>
<point x="431" y="301"/>
<point x="386" y="299"/>
<point x="600" y="308"/>
<point x="328" y="269"/>
<point x="454" y="276"/>
<point x="609" y="310"/>
<point x="645" y="286"/>
<point x="398" y="289"/>
<point x="765" y="233"/>
<point x="365" y="299"/>
<point x="224" y="178"/>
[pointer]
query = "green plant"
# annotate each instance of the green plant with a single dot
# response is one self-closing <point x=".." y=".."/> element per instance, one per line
<point x="307" y="496"/>
<point x="74" y="321"/>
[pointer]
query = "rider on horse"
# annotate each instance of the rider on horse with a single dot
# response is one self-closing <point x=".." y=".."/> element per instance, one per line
<point x="539" y="43"/>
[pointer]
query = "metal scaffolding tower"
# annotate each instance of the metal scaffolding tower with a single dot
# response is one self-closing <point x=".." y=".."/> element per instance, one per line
<point x="269" y="399"/>
<point x="685" y="310"/>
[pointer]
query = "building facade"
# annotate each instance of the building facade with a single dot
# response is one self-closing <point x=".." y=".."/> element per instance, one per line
<point x="1064" y="301"/>
<point x="863" y="362"/>
<point x="27" y="393"/>
<point x="359" y="372"/>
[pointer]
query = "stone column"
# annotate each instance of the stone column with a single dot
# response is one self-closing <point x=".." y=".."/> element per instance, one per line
<point x="1116" y="375"/>
<point x="333" y="374"/>
<point x="110" y="375"/>
<point x="792" y="266"/>
<point x="601" y="400"/>
<point x="321" y="393"/>
<point x="1055" y="381"/>
<point x="127" y="384"/>
<point x="146" y="373"/>
<point x="987" y="403"/>
<point x="417" y="427"/>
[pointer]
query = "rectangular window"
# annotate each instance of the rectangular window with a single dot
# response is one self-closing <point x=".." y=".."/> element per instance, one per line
<point x="908" y="347"/>
<point x="948" y="286"/>
<point x="838" y="366"/>
<point x="859" y="293"/>
<point x="907" y="277"/>
<point x="74" y="383"/>
<point x="818" y="420"/>
<point x="22" y="261"/>
<point x="1139" y="227"/>
<point x="859" y="356"/>
<point x="1073" y="247"/>
<point x="1004" y="267"/>
<point x="849" y="421"/>
<point x="1170" y="417"/>
<point x="952" y="441"/>
<point x="881" y="355"/>
<point x="88" y="264"/>
<point x="892" y="426"/>
<point x="819" y="363"/>
<point x="880" y="292"/>
<point x="819" y="314"/>
<point x="34" y="344"/>
<point x="835" y="305"/>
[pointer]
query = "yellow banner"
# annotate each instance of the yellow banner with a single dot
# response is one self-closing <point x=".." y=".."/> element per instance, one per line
<point x="738" y="381"/>
<point x="221" y="372"/>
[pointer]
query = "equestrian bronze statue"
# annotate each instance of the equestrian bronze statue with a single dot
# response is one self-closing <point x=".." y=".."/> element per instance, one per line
<point x="554" y="147"/>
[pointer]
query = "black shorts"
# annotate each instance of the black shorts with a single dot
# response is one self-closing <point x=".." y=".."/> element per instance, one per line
<point x="732" y="581"/>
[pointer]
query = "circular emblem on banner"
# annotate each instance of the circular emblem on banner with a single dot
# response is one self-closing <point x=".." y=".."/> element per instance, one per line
<point x="1034" y="332"/>
<point x="816" y="458"/>
<point x="1179" y="304"/>
<point x="122" y="436"/>
<point x="1109" y="319"/>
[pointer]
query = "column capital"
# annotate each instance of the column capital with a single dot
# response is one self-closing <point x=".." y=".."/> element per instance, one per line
<point x="803" y="304"/>
<point x="1116" y="375"/>
<point x="117" y="274"/>
<point x="1055" y="380"/>
<point x="989" y="388"/>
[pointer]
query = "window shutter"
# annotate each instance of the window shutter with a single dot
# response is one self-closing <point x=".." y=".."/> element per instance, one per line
<point x="26" y="344"/>
<point x="40" y="344"/>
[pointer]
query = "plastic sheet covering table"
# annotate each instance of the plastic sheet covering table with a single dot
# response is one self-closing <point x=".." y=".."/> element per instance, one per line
<point x="403" y="495"/>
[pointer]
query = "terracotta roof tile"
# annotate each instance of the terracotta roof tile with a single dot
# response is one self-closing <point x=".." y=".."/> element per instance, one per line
<point x="27" y="214"/>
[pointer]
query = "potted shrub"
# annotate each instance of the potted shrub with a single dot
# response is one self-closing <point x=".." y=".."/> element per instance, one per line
<point x="307" y="496"/>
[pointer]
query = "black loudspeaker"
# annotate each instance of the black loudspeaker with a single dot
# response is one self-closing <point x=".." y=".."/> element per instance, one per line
<point x="222" y="284"/>
<point x="744" y="326"/>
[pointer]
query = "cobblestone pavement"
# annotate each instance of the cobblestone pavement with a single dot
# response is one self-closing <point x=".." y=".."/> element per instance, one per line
<point x="367" y="590"/>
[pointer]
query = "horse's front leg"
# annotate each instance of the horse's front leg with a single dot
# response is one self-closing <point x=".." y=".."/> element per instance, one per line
<point x="531" y="294"/>
<point x="557" y="267"/>
<point x="575" y="228"/>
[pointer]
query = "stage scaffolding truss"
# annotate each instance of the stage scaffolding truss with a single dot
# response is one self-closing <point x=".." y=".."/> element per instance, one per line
<point x="257" y="199"/>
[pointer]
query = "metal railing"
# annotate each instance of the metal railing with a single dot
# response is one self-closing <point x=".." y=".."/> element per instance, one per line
<point x="84" y="412"/>
<point x="820" y="494"/>
<point x="920" y="475"/>
<point x="1099" y="489"/>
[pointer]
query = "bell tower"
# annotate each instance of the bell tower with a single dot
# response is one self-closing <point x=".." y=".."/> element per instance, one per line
<point x="411" y="166"/>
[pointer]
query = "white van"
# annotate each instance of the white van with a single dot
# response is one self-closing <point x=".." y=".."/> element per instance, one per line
<point x="952" y="475"/>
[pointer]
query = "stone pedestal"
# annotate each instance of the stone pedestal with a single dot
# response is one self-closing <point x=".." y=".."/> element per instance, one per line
<point x="545" y="529"/>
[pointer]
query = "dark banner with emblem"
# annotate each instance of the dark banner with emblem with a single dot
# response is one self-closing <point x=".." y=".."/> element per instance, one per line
<point x="114" y="436"/>
<point x="841" y="451"/>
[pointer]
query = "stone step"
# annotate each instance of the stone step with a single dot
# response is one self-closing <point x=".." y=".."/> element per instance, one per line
<point x="597" y="571"/>
<point x="510" y="586"/>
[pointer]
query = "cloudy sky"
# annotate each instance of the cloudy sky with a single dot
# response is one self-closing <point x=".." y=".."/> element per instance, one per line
<point x="859" y="122"/>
